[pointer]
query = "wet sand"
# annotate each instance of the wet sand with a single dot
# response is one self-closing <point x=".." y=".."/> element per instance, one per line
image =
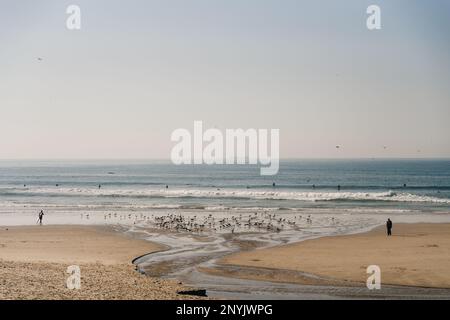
<point x="416" y="255"/>
<point x="34" y="260"/>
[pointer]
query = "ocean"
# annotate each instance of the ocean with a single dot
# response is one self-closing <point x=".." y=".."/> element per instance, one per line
<point x="109" y="186"/>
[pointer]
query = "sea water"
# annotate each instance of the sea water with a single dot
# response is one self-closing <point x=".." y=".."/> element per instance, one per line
<point x="67" y="186"/>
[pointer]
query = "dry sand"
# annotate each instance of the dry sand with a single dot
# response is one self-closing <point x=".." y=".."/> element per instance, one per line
<point x="34" y="260"/>
<point x="416" y="255"/>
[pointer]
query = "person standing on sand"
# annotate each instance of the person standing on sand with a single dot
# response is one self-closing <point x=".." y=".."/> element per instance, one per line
<point x="389" y="227"/>
<point x="41" y="215"/>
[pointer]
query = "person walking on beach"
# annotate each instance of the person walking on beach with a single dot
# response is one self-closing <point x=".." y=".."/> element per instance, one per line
<point x="389" y="227"/>
<point x="41" y="215"/>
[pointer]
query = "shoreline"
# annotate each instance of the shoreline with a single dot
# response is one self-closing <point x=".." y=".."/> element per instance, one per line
<point x="34" y="261"/>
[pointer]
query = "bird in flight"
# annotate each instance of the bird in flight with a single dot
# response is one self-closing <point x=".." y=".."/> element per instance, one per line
<point x="39" y="59"/>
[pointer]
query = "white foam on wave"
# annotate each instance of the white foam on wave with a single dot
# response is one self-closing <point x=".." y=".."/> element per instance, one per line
<point x="309" y="196"/>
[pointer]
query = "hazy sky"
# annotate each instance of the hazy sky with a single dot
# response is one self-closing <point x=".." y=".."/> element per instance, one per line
<point x="137" y="70"/>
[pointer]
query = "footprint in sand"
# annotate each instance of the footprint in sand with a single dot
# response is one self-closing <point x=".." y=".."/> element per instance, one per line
<point x="431" y="246"/>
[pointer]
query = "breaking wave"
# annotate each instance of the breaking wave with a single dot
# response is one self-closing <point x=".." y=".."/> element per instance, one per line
<point x="243" y="194"/>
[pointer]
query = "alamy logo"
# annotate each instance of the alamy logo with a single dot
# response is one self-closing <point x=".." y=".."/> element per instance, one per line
<point x="374" y="280"/>
<point x="74" y="280"/>
<point x="73" y="21"/>
<point x="374" y="20"/>
<point x="236" y="146"/>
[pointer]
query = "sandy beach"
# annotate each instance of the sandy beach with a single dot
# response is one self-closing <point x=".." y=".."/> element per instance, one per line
<point x="34" y="260"/>
<point x="416" y="255"/>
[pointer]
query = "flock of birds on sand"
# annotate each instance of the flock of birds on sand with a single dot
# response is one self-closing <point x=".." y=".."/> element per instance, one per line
<point x="257" y="221"/>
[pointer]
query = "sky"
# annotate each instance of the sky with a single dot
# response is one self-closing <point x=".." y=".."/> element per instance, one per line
<point x="138" y="70"/>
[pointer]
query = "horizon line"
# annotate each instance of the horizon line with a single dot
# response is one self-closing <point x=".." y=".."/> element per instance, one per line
<point x="280" y="159"/>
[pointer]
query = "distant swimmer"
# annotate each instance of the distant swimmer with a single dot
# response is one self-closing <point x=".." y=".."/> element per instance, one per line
<point x="404" y="185"/>
<point x="167" y="187"/>
<point x="99" y="186"/>
<point x="273" y="184"/>
<point x="40" y="217"/>
<point x="57" y="185"/>
<point x="314" y="186"/>
<point x="339" y="187"/>
<point x="389" y="227"/>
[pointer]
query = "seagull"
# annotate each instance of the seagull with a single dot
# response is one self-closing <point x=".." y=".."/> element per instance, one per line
<point x="39" y="59"/>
